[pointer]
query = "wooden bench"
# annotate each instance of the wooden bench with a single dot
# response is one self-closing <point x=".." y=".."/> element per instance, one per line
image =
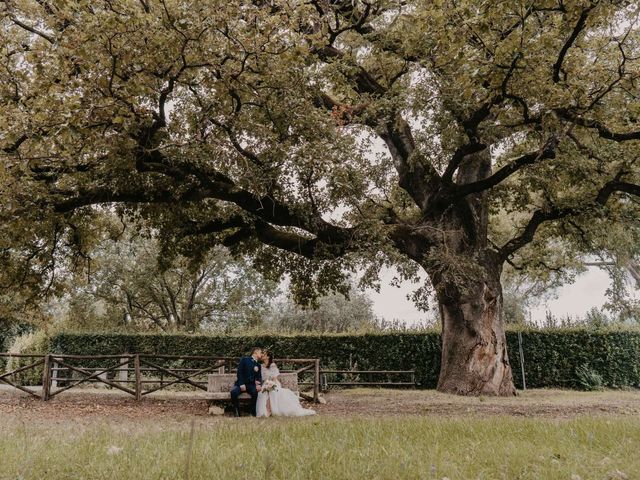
<point x="220" y="384"/>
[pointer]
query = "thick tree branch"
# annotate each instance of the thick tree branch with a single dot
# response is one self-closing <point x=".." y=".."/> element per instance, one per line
<point x="554" y="213"/>
<point x="602" y="129"/>
<point x="616" y="186"/>
<point x="216" y="226"/>
<point x="324" y="245"/>
<point x="31" y="29"/>
<point x="411" y="240"/>
<point x="458" y="157"/>
<point x="214" y="184"/>
<point x="75" y="200"/>
<point x="547" y="151"/>
<point x="15" y="145"/>
<point x="579" y="27"/>
<point x="309" y="247"/>
<point x="417" y="178"/>
<point x="312" y="248"/>
<point x="209" y="183"/>
<point x="537" y="219"/>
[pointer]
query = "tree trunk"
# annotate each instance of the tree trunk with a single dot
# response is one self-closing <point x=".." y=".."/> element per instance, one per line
<point x="474" y="349"/>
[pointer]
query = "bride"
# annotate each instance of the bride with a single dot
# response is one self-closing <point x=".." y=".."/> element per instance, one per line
<point x="275" y="400"/>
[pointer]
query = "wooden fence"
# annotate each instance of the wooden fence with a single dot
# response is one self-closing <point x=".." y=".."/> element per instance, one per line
<point x="135" y="374"/>
<point x="142" y="374"/>
<point x="367" y="378"/>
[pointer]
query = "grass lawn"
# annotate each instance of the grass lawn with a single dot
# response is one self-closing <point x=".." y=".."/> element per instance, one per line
<point x="325" y="447"/>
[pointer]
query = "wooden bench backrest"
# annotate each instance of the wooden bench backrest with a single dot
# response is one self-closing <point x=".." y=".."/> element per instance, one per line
<point x="223" y="382"/>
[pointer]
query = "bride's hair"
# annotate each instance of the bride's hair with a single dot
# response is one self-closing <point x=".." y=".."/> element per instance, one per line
<point x="269" y="356"/>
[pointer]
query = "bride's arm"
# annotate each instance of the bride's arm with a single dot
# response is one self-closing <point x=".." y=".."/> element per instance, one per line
<point x="275" y="374"/>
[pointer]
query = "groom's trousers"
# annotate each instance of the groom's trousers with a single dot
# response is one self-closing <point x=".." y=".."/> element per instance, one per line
<point x="251" y="390"/>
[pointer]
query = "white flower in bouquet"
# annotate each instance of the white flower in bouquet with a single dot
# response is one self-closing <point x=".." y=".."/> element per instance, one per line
<point x="269" y="386"/>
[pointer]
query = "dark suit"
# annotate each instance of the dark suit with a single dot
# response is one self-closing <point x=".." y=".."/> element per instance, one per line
<point x="248" y="373"/>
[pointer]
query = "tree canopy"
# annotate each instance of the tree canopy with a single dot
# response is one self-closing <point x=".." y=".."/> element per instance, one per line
<point x="328" y="136"/>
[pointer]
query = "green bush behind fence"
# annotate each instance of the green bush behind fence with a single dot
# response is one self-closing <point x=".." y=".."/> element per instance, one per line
<point x="553" y="358"/>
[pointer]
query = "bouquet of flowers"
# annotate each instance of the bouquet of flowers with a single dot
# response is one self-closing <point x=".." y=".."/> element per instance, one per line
<point x="269" y="386"/>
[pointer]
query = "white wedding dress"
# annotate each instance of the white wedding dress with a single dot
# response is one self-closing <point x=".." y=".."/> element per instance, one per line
<point x="282" y="401"/>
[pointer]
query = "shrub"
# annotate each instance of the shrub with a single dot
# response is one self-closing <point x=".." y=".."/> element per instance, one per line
<point x="36" y="343"/>
<point x="588" y="378"/>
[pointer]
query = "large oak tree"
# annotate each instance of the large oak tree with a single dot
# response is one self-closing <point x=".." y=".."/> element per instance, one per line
<point x="451" y="136"/>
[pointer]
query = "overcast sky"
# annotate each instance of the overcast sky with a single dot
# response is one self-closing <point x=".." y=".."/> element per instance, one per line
<point x="576" y="299"/>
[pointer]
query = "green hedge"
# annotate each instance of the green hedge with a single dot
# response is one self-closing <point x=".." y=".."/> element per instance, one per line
<point x="551" y="357"/>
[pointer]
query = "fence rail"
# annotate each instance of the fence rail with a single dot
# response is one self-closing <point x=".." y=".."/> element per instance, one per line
<point x="367" y="378"/>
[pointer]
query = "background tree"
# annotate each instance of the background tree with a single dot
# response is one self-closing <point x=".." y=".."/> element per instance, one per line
<point x="134" y="286"/>
<point x="323" y="137"/>
<point x="333" y="313"/>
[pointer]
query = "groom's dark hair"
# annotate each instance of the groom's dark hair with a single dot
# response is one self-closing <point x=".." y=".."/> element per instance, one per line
<point x="255" y="349"/>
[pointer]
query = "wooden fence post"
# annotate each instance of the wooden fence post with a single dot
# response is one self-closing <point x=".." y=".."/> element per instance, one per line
<point x="54" y="375"/>
<point x="316" y="381"/>
<point x="136" y="365"/>
<point x="46" y="378"/>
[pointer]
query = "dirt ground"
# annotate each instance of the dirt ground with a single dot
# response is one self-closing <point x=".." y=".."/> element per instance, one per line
<point x="94" y="404"/>
<point x="532" y="403"/>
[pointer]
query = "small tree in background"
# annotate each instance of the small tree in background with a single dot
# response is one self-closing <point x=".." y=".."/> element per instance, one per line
<point x="333" y="313"/>
<point x="134" y="286"/>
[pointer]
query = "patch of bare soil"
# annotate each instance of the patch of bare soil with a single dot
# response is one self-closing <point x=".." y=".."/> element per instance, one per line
<point x="536" y="403"/>
<point x="91" y="405"/>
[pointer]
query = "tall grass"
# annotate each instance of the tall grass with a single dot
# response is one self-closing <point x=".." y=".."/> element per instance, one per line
<point x="325" y="448"/>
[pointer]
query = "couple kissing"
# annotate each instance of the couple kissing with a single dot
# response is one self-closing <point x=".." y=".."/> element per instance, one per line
<point x="257" y="375"/>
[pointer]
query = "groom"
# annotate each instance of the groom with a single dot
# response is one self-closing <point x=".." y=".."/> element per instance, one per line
<point x="249" y="380"/>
